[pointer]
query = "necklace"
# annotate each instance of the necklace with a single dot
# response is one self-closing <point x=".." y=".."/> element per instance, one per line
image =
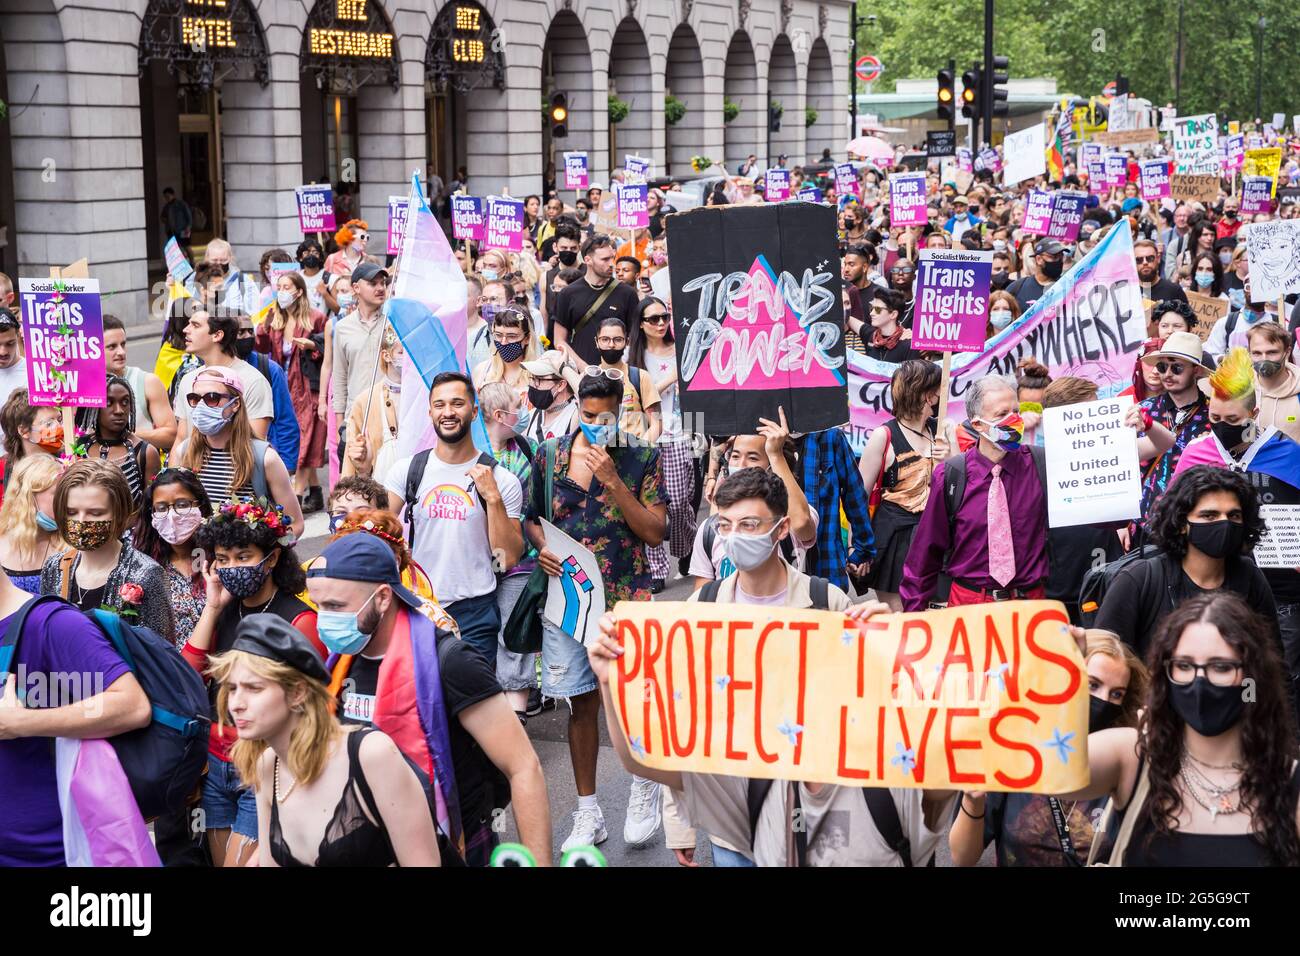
<point x="261" y="610"/>
<point x="1211" y="766"/>
<point x="281" y="797"/>
<point x="1217" y="800"/>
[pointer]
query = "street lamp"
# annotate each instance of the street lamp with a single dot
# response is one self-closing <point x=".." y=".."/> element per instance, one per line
<point x="1259" y="70"/>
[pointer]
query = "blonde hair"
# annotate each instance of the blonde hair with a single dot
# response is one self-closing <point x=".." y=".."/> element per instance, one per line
<point x="1139" y="678"/>
<point x="311" y="736"/>
<point x="32" y="475"/>
<point x="512" y="317"/>
<point x="240" y="446"/>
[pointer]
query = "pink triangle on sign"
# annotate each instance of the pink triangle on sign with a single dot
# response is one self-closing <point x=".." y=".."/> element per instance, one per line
<point x="753" y="349"/>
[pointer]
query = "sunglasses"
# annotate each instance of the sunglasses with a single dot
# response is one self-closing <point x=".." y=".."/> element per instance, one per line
<point x="210" y="399"/>
<point x="1144" y="258"/>
<point x="1170" y="368"/>
<point x="655" y="319"/>
<point x="613" y="374"/>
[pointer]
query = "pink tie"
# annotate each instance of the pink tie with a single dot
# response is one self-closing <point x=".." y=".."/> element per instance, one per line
<point x="1002" y="558"/>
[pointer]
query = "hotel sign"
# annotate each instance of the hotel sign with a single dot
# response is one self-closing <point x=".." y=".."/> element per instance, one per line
<point x="202" y="41"/>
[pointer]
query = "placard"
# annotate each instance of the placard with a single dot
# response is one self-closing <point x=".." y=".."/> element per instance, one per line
<point x="809" y="194"/>
<point x="964" y="162"/>
<point x="1067" y="216"/>
<point x="506" y="224"/>
<point x="1273" y="254"/>
<point x="1118" y="117"/>
<point x="1088" y="152"/>
<point x="396" y="224"/>
<point x="636" y="169"/>
<point x="1263" y="162"/>
<point x="576" y="175"/>
<point x="1154" y="175"/>
<point x="990" y="160"/>
<point x="1279" y="546"/>
<point x="1196" y="144"/>
<point x="468" y="218"/>
<point x="776" y="184"/>
<point x="1024" y="155"/>
<point x="1038" y="212"/>
<point x="316" y="208"/>
<point x="575" y="598"/>
<point x="1256" y="195"/>
<point x="757" y="317"/>
<point x="940" y="142"/>
<point x="1194" y="188"/>
<point x="178" y="267"/>
<point x="846" y="180"/>
<point x="1209" y="309"/>
<point x="1093" y="474"/>
<point x="63" y="339"/>
<point x="1097" y="184"/>
<point x="633" y="205"/>
<point x="1129" y="137"/>
<point x="951" y="306"/>
<point x="1116" y="170"/>
<point x="907" y="202"/>
<point x="1288" y="196"/>
<point x="989" y="696"/>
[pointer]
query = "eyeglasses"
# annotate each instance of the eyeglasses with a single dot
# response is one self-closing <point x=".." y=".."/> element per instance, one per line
<point x="608" y="343"/>
<point x="613" y="374"/>
<point x="744" y="525"/>
<point x="1221" y="673"/>
<point x="210" y="399"/>
<point x="1170" y="368"/>
<point x="181" y="506"/>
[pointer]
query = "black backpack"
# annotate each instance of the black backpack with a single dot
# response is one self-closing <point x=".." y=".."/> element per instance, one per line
<point x="415" y="475"/>
<point x="1097" y="581"/>
<point x="165" y="759"/>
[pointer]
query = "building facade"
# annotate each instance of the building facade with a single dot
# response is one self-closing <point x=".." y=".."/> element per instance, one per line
<point x="234" y="103"/>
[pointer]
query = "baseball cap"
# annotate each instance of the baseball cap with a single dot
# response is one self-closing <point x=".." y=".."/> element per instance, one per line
<point x="960" y="199"/>
<point x="272" y="637"/>
<point x="551" y="364"/>
<point x="362" y="557"/>
<point x="1051" y="248"/>
<point x="367" y="271"/>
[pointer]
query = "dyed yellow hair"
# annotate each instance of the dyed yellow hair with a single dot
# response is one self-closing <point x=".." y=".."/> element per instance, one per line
<point x="1234" y="379"/>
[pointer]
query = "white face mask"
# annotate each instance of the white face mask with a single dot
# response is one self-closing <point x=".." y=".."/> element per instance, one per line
<point x="750" y="551"/>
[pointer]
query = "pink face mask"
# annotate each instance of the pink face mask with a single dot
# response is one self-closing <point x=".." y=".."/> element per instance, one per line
<point x="177" y="528"/>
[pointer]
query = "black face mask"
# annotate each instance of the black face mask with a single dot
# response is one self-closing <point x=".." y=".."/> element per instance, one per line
<point x="1230" y="436"/>
<point x="568" y="257"/>
<point x="312" y="262"/>
<point x="1052" y="269"/>
<point x="611" y="356"/>
<point x="1217" y="539"/>
<point x="999" y="280"/>
<point x="244" y="347"/>
<point x="1102" y="714"/>
<point x="540" y="398"/>
<point x="1207" y="708"/>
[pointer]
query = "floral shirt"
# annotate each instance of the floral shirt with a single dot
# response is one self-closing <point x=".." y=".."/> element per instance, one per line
<point x="1185" y="425"/>
<point x="516" y="458"/>
<point x="187" y="596"/>
<point x="591" y="516"/>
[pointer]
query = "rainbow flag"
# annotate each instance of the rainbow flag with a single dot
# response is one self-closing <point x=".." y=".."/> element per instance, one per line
<point x="1056" y="149"/>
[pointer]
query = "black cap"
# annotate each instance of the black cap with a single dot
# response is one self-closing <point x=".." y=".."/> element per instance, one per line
<point x="367" y="271"/>
<point x="272" y="637"/>
<point x="362" y="557"/>
<point x="1051" y="248"/>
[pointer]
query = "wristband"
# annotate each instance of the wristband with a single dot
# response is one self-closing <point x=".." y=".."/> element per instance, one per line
<point x="1147" y="420"/>
<point x="962" y="804"/>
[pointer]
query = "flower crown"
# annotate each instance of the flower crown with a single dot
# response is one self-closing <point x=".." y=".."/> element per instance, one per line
<point x="263" y="512"/>
<point x="369" y="527"/>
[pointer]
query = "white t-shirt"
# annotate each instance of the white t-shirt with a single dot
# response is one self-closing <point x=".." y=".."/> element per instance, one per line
<point x="451" y="528"/>
<point x="258" y="401"/>
<point x="659" y="367"/>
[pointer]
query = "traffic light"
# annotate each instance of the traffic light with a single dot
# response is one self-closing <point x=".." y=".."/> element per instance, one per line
<point x="559" y="115"/>
<point x="1121" y="85"/>
<point x="996" y="101"/>
<point x="945" y="102"/>
<point x="970" y="90"/>
<point x="774" y="118"/>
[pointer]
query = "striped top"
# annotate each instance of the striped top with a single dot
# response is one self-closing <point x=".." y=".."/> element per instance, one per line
<point x="130" y="466"/>
<point x="216" y="477"/>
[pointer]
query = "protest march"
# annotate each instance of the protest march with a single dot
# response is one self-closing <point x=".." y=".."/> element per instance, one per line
<point x="934" y="503"/>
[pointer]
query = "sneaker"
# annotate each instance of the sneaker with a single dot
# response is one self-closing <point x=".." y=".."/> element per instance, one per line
<point x="588" y="829"/>
<point x="313" y="501"/>
<point x="534" y="706"/>
<point x="656" y="586"/>
<point x="643" y="817"/>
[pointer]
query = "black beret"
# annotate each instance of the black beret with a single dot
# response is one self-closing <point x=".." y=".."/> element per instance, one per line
<point x="272" y="637"/>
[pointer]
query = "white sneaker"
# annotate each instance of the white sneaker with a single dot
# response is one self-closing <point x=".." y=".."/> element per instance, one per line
<point x="643" y="816"/>
<point x="588" y="829"/>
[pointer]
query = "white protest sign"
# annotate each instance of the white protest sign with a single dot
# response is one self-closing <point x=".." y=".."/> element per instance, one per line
<point x="1279" y="120"/>
<point x="1273" y="256"/>
<point x="1279" y="547"/>
<point x="1023" y="155"/>
<point x="1119" y="119"/>
<point x="1092" y="464"/>
<point x="1196" y="144"/>
<point x="575" y="599"/>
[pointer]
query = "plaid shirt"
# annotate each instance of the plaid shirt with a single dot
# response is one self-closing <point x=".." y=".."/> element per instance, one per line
<point x="830" y="476"/>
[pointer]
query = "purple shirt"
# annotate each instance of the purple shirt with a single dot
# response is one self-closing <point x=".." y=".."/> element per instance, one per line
<point x="969" y="561"/>
<point x="60" y="653"/>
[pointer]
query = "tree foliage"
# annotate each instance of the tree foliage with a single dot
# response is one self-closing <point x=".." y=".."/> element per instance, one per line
<point x="1085" y="43"/>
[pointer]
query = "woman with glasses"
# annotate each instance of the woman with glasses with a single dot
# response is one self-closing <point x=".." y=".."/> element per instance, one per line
<point x="639" y="417"/>
<point x="513" y="344"/>
<point x="28" y="430"/>
<point x="93" y="507"/>
<point x="900" y="277"/>
<point x="353" y="237"/>
<point x="1204" y="525"/>
<point x="28" y="530"/>
<point x="175" y="506"/>
<point x="112" y="438"/>
<point x="885" y="338"/>
<point x="1209" y="776"/>
<point x="221" y="450"/>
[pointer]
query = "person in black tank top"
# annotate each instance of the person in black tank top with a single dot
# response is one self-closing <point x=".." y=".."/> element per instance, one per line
<point x="112" y="438"/>
<point x="301" y="762"/>
<point x="1210" y="776"/>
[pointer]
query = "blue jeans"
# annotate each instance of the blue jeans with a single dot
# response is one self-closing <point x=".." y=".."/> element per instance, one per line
<point x="724" y="857"/>
<point x="479" y="620"/>
<point x="227" y="804"/>
<point x="566" y="672"/>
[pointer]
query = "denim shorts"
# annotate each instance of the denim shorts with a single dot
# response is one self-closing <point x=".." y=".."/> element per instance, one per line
<point x="566" y="672"/>
<point x="514" y="671"/>
<point x="724" y="857"/>
<point x="479" y="620"/>
<point x="227" y="804"/>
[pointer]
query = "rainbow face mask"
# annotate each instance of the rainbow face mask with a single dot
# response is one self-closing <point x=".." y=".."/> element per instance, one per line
<point x="1006" y="432"/>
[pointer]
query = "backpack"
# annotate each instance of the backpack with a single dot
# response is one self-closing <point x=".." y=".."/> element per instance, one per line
<point x="415" y="475"/>
<point x="260" y="487"/>
<point x="165" y="759"/>
<point x="819" y="590"/>
<point x="884" y="814"/>
<point x="1097" y="581"/>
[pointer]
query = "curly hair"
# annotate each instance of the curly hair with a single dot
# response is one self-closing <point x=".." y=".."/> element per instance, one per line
<point x="346" y="234"/>
<point x="1268" y="740"/>
<point x="227" y="530"/>
<point x="1169" y="516"/>
<point x="384" y="525"/>
<point x="1179" y="308"/>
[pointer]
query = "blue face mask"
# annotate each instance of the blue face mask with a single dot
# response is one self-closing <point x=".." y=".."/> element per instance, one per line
<point x="210" y="420"/>
<point x="1204" y="279"/>
<point x="599" y="434"/>
<point x="1237" y="298"/>
<point x="489" y="274"/>
<point x="339" y="632"/>
<point x="45" y="522"/>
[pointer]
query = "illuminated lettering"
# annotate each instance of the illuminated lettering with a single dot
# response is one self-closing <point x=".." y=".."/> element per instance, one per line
<point x="467" y="18"/>
<point x="351" y="9"/>
<point x="351" y="43"/>
<point x="467" y="51"/>
<point x="207" y="33"/>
